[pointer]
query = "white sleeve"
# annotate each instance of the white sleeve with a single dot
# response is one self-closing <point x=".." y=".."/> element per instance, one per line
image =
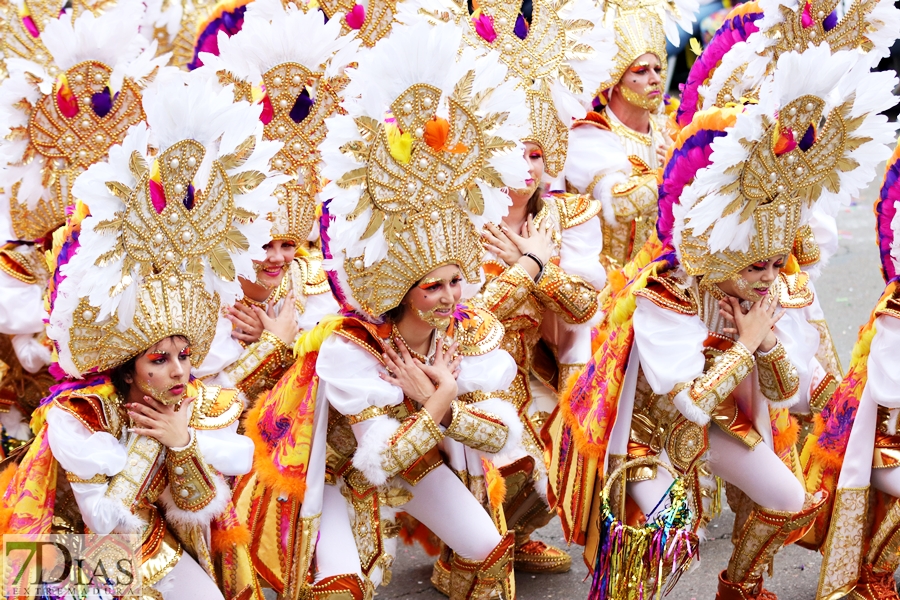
<point x="223" y="351"/>
<point x="884" y="376"/>
<point x="227" y="451"/>
<point x="21" y="306"/>
<point x="669" y="344"/>
<point x="489" y="372"/>
<point x="85" y="455"/>
<point x="579" y="253"/>
<point x="801" y="341"/>
<point x="317" y="306"/>
<point x="349" y="376"/>
<point x="596" y="153"/>
<point x="32" y="355"/>
<point x="824" y="228"/>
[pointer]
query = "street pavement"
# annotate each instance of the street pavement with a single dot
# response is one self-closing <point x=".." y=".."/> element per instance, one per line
<point x="848" y="289"/>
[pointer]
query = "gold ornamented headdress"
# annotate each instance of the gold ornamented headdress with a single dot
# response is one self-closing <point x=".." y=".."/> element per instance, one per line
<point x="172" y="227"/>
<point x="793" y="26"/>
<point x="641" y="27"/>
<point x="65" y="115"/>
<point x="814" y="137"/>
<point x="295" y="62"/>
<point x="559" y="58"/>
<point x="418" y="163"/>
<point x="371" y="19"/>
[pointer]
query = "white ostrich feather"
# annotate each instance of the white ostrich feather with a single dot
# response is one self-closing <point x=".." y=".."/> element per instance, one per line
<point x="110" y="38"/>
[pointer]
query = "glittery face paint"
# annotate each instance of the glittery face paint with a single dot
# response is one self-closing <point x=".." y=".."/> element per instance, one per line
<point x="438" y="317"/>
<point x="164" y="371"/>
<point x="434" y="298"/>
<point x="753" y="292"/>
<point x="641" y="85"/>
<point x="279" y="254"/>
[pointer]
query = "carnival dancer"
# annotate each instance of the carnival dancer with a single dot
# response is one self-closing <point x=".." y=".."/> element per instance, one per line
<point x="853" y="448"/>
<point x="291" y="62"/>
<point x="617" y="152"/>
<point x="130" y="443"/>
<point x="542" y="270"/>
<point x="63" y="110"/>
<point x="714" y="328"/>
<point x="416" y="167"/>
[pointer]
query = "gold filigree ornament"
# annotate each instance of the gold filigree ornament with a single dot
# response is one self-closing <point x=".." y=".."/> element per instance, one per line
<point x="419" y="163"/>
<point x="292" y="62"/>
<point x="171" y="229"/>
<point x="371" y="19"/>
<point x="814" y="138"/>
<point x="559" y="59"/>
<point x="65" y="114"/>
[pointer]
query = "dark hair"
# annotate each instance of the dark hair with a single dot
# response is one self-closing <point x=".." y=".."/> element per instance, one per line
<point x="536" y="202"/>
<point x="118" y="374"/>
<point x="395" y="313"/>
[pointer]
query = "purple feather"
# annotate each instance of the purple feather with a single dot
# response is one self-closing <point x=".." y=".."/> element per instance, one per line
<point x="521" y="28"/>
<point x="102" y="102"/>
<point x="885" y="211"/>
<point x="301" y="107"/>
<point x="808" y="139"/>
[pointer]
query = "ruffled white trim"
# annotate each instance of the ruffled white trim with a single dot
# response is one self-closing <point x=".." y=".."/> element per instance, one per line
<point x="786" y="403"/>
<point x="128" y="522"/>
<point x="371" y="448"/>
<point x="200" y="517"/>
<point x="694" y="413"/>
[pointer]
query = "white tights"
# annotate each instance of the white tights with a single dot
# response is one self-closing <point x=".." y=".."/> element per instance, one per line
<point x="758" y="472"/>
<point x="188" y="581"/>
<point x="440" y="501"/>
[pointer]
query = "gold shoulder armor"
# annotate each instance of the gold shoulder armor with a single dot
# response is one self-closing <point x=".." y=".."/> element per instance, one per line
<point x="18" y="264"/>
<point x="309" y="275"/>
<point x="805" y="248"/>
<point x="477" y="330"/>
<point x="215" y="407"/>
<point x="795" y="292"/>
<point x="575" y="209"/>
<point x="891" y="307"/>
<point x="664" y="291"/>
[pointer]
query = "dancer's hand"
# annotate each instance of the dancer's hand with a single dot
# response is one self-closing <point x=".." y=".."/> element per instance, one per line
<point x="497" y="242"/>
<point x="167" y="424"/>
<point x="753" y="328"/>
<point x="405" y="372"/>
<point x="284" y="326"/>
<point x="247" y="323"/>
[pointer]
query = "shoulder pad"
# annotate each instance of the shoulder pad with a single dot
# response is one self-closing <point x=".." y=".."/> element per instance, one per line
<point x="665" y="292"/>
<point x="806" y="249"/>
<point x="16" y="264"/>
<point x="575" y="209"/>
<point x="309" y="275"/>
<point x="476" y="330"/>
<point x="891" y="306"/>
<point x="594" y="119"/>
<point x="215" y="407"/>
<point x="92" y="409"/>
<point x="794" y="291"/>
<point x="365" y="335"/>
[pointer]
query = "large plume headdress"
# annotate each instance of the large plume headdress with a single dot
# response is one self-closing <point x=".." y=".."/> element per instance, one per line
<point x="794" y="26"/>
<point x="175" y="220"/>
<point x="887" y="218"/>
<point x="293" y="63"/>
<point x="418" y="164"/>
<point x="641" y="27"/>
<point x="814" y="137"/>
<point x="559" y="58"/>
<point x="64" y="115"/>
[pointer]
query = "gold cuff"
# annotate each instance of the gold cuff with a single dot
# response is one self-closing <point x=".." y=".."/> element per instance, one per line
<point x="727" y="371"/>
<point x="503" y="294"/>
<point x="192" y="481"/>
<point x="261" y="365"/>
<point x="476" y="428"/>
<point x="778" y="378"/>
<point x="567" y="295"/>
<point x="823" y="393"/>
<point x="365" y="415"/>
<point x="98" y="478"/>
<point x="417" y="435"/>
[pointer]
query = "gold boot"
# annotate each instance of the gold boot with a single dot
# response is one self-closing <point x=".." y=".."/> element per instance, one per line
<point x="876" y="579"/>
<point x="525" y="512"/>
<point x="490" y="579"/>
<point x="341" y="587"/>
<point x="764" y="533"/>
<point x="440" y="575"/>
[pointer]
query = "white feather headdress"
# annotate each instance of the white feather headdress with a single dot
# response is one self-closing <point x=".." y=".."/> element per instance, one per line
<point x="293" y="62"/>
<point x="174" y="222"/>
<point x="64" y="113"/>
<point x="418" y="164"/>
<point x="814" y="138"/>
<point x="560" y="58"/>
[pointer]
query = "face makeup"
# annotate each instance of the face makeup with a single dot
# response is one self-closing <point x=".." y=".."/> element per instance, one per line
<point x="753" y="292"/>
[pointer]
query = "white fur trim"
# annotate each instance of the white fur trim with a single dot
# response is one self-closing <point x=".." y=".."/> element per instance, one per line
<point x="690" y="410"/>
<point x="787" y="403"/>
<point x="371" y="448"/>
<point x="202" y="517"/>
<point x="506" y="412"/>
<point x="128" y="522"/>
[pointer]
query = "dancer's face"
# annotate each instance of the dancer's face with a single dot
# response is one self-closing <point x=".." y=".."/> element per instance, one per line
<point x="433" y="299"/>
<point x="163" y="371"/>
<point x="754" y="282"/>
<point x="279" y="254"/>
<point x="641" y="85"/>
